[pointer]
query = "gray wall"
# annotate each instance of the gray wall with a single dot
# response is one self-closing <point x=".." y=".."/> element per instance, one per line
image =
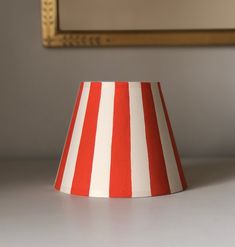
<point x="38" y="86"/>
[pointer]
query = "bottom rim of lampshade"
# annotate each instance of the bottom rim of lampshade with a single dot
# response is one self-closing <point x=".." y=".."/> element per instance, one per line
<point x="101" y="194"/>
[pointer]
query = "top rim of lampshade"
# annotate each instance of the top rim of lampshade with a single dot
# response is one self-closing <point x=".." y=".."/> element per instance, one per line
<point x="122" y="81"/>
<point x="130" y="83"/>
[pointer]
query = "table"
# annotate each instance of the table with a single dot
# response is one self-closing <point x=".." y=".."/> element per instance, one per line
<point x="33" y="214"/>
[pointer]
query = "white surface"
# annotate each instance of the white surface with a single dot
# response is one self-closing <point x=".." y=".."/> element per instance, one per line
<point x="103" y="142"/>
<point x="167" y="148"/>
<point x="33" y="214"/>
<point x="75" y="141"/>
<point x="140" y="174"/>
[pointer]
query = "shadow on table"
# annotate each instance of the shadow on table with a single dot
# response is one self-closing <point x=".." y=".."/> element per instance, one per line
<point x="200" y="173"/>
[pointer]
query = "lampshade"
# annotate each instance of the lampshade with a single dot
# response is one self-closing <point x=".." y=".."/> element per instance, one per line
<point x="120" y="143"/>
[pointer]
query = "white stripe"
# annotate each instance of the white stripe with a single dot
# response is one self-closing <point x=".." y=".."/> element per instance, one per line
<point x="139" y="154"/>
<point x="100" y="175"/>
<point x="75" y="141"/>
<point x="168" y="152"/>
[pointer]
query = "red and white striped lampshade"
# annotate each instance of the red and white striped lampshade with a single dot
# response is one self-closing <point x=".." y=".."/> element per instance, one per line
<point x="120" y="143"/>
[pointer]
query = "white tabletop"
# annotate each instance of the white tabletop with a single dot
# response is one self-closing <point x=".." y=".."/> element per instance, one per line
<point x="33" y="214"/>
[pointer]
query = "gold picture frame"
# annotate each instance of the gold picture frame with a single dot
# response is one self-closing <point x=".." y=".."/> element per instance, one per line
<point x="53" y="37"/>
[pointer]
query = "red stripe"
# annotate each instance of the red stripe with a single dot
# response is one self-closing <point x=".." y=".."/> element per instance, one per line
<point x="157" y="169"/>
<point x="177" y="157"/>
<point x="68" y="140"/>
<point x="82" y="174"/>
<point x="120" y="170"/>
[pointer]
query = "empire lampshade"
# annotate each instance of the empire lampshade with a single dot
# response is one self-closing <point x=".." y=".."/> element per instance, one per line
<point x="120" y="143"/>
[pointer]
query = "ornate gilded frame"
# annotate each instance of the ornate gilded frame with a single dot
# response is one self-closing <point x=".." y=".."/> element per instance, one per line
<point x="53" y="37"/>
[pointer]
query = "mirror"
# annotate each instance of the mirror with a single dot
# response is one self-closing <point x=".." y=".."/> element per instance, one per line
<point x="137" y="22"/>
